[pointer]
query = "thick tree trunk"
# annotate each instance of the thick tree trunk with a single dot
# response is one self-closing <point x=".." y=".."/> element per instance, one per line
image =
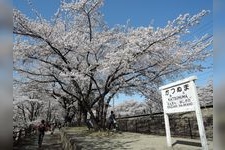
<point x="24" y="114"/>
<point x="48" y="117"/>
<point x="98" y="119"/>
<point x="79" y="114"/>
<point x="84" y="116"/>
<point x="102" y="113"/>
<point x="94" y="120"/>
<point x="104" y="116"/>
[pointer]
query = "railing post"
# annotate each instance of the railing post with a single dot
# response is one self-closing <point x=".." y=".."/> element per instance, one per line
<point x="189" y="124"/>
<point x="126" y="124"/>
<point x="136" y="125"/>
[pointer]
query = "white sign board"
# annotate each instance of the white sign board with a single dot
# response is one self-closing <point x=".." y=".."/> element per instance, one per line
<point x="178" y="97"/>
<point x="181" y="96"/>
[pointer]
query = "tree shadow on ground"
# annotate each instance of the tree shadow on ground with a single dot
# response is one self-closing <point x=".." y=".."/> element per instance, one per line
<point x="24" y="143"/>
<point x="189" y="143"/>
<point x="52" y="146"/>
<point x="50" y="142"/>
<point x="90" y="143"/>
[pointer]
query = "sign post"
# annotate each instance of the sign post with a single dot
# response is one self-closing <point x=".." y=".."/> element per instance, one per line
<point x="181" y="96"/>
<point x="199" y="119"/>
<point x="167" y="125"/>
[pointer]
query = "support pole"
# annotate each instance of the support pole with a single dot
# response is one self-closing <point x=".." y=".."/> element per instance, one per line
<point x="199" y="119"/>
<point x="167" y="126"/>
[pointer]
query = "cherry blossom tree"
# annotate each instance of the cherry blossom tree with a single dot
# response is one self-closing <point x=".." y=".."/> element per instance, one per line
<point x="205" y="94"/>
<point x="153" y="103"/>
<point x="130" y="108"/>
<point x="91" y="62"/>
<point x="32" y="103"/>
<point x="27" y="107"/>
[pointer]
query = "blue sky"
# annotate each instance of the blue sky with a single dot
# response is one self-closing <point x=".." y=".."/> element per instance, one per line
<point x="139" y="13"/>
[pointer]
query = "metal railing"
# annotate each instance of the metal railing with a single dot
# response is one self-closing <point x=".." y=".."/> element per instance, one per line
<point x="182" y="125"/>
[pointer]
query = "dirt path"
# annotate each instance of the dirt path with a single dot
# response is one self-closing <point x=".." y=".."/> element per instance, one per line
<point x="112" y="141"/>
<point x="135" y="141"/>
<point x="50" y="142"/>
<point x="130" y="141"/>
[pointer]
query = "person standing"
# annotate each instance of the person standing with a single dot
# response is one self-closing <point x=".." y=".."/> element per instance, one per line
<point x="89" y="122"/>
<point x="41" y="129"/>
<point x="112" y="120"/>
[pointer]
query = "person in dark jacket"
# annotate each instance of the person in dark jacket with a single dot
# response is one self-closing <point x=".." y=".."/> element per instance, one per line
<point x="41" y="129"/>
<point x="112" y="120"/>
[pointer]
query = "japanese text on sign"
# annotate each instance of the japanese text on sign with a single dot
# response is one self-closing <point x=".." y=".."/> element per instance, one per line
<point x="178" y="98"/>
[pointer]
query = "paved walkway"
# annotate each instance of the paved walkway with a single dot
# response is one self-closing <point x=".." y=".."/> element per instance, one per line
<point x="50" y="142"/>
